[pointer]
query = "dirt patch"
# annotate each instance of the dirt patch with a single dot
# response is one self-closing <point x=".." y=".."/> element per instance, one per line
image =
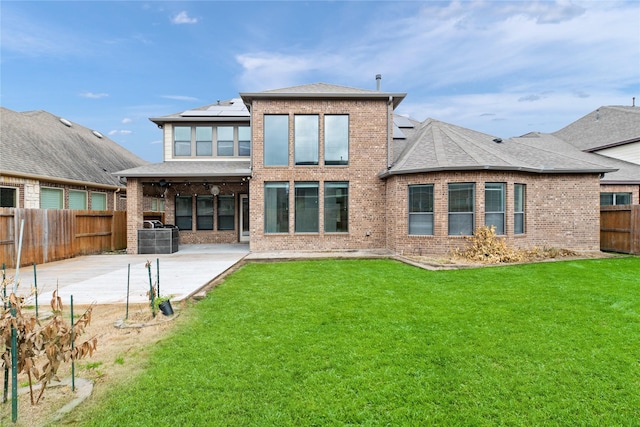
<point x="122" y="350"/>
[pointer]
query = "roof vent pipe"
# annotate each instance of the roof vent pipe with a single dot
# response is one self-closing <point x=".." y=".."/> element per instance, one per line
<point x="633" y="101"/>
<point x="378" y="79"/>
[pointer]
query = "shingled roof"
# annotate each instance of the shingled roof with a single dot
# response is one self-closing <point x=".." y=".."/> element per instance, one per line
<point x="440" y="146"/>
<point x="604" y="127"/>
<point x="40" y="145"/>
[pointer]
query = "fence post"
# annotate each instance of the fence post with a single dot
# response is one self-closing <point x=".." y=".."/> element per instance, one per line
<point x="14" y="367"/>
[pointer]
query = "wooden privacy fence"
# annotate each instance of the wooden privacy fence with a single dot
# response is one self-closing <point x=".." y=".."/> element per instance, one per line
<point x="620" y="229"/>
<point x="55" y="234"/>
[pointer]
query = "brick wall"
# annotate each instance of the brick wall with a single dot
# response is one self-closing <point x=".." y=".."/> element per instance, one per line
<point x="134" y="213"/>
<point x="368" y="129"/>
<point x="560" y="210"/>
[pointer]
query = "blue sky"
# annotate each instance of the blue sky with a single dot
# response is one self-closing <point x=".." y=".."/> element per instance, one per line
<point x="499" y="67"/>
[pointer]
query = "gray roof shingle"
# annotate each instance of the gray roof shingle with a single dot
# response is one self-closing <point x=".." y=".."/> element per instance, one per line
<point x="37" y="143"/>
<point x="603" y="127"/>
<point x="439" y="146"/>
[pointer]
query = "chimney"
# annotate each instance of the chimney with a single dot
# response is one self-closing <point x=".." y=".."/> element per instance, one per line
<point x="378" y="78"/>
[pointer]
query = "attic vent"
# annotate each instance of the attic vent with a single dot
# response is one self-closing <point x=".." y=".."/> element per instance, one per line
<point x="96" y="133"/>
<point x="65" y="122"/>
<point x="497" y="140"/>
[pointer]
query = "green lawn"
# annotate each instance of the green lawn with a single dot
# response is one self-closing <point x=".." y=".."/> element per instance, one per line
<point x="377" y="342"/>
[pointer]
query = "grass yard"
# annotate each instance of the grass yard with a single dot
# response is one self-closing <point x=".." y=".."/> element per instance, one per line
<point x="377" y="342"/>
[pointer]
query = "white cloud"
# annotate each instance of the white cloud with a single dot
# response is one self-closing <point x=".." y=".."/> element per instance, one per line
<point x="120" y="132"/>
<point x="180" y="97"/>
<point x="92" y="95"/>
<point x="126" y="120"/>
<point x="183" y="18"/>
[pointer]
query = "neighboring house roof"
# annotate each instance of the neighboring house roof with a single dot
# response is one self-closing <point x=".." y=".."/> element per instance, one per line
<point x="230" y="110"/>
<point x="323" y="91"/>
<point x="605" y="127"/>
<point x="39" y="145"/>
<point x="185" y="169"/>
<point x="440" y="146"/>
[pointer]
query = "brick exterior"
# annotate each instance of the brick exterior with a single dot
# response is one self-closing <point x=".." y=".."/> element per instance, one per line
<point x="368" y="130"/>
<point x="633" y="189"/>
<point x="560" y="210"/>
<point x="134" y="213"/>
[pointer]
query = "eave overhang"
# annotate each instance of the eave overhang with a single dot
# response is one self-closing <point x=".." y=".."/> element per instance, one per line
<point x="386" y="174"/>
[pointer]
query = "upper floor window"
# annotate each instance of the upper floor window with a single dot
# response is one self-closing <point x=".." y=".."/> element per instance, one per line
<point x="612" y="199"/>
<point x="336" y="140"/>
<point x="306" y="139"/>
<point x="494" y="206"/>
<point x="204" y="140"/>
<point x="182" y="140"/>
<point x="244" y="141"/>
<point x="200" y="140"/>
<point x="276" y="140"/>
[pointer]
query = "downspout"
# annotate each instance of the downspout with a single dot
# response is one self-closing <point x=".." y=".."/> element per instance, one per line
<point x="389" y="130"/>
<point x="115" y="198"/>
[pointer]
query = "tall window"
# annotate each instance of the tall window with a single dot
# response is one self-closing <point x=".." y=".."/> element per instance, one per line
<point x="306" y="140"/>
<point x="77" y="199"/>
<point x="612" y="199"/>
<point x="204" y="141"/>
<point x="244" y="141"/>
<point x="51" y="198"/>
<point x="184" y="210"/>
<point x="225" y="140"/>
<point x="421" y="209"/>
<point x="461" y="209"/>
<point x="8" y="197"/>
<point x="494" y="206"/>
<point x="519" y="194"/>
<point x="226" y="212"/>
<point x="336" y="207"/>
<point x="182" y="140"/>
<point x="307" y="213"/>
<point x="204" y="212"/>
<point x="276" y="207"/>
<point x="98" y="201"/>
<point x="276" y="140"/>
<point x="336" y="140"/>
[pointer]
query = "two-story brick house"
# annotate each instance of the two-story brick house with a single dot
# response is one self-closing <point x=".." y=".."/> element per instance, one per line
<point x="321" y="167"/>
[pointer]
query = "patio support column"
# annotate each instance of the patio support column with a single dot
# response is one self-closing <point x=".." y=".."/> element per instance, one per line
<point x="135" y="213"/>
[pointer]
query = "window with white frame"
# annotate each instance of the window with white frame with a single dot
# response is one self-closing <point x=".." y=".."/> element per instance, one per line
<point x="8" y="197"/>
<point x="98" y="201"/>
<point x="224" y="141"/>
<point x="204" y="141"/>
<point x="519" y="194"/>
<point x="211" y="141"/>
<point x="182" y="140"/>
<point x="51" y="198"/>
<point x="421" y="209"/>
<point x="77" y="199"/>
<point x="244" y="141"/>
<point x="461" y="209"/>
<point x="613" y="199"/>
<point x="306" y="207"/>
<point x="494" y="206"/>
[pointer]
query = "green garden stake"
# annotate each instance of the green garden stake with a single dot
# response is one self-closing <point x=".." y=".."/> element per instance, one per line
<point x="14" y="368"/>
<point x="158" y="276"/>
<point x="35" y="285"/>
<point x="73" y="362"/>
<point x="153" y="310"/>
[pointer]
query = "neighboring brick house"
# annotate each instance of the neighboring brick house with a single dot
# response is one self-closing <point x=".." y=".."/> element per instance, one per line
<point x="333" y="168"/>
<point x="49" y="162"/>
<point x="612" y="133"/>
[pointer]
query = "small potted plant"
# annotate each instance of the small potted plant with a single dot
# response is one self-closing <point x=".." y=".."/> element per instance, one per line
<point x="164" y="304"/>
